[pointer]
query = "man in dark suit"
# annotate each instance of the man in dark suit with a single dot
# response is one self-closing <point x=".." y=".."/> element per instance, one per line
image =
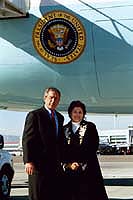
<point x="42" y="147"/>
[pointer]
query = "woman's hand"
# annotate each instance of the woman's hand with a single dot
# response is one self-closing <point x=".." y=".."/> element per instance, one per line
<point x="74" y="166"/>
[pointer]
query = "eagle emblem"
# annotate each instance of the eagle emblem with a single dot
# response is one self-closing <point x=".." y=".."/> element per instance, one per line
<point x="59" y="37"/>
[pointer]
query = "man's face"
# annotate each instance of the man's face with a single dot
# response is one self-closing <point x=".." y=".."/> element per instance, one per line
<point x="51" y="99"/>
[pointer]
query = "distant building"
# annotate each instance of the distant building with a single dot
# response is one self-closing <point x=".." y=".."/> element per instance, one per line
<point x="121" y="140"/>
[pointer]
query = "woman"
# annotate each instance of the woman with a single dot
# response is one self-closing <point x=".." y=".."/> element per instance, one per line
<point x="83" y="178"/>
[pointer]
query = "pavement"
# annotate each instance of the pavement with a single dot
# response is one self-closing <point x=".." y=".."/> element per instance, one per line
<point x="117" y="173"/>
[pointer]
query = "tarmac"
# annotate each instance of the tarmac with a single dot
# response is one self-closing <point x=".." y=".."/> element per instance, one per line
<point x="117" y="172"/>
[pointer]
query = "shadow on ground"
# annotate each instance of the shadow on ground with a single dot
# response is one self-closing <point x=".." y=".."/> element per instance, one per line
<point x="26" y="198"/>
<point x="107" y="182"/>
<point x="19" y="198"/>
<point x="118" y="182"/>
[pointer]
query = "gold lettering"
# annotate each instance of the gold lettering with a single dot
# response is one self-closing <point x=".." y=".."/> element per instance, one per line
<point x="81" y="36"/>
<point x="36" y="35"/>
<point x="67" y="16"/>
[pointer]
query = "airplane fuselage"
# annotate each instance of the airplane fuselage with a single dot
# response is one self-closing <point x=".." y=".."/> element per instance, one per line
<point x="92" y="61"/>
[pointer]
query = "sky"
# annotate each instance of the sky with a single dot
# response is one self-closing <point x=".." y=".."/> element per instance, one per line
<point x="12" y="122"/>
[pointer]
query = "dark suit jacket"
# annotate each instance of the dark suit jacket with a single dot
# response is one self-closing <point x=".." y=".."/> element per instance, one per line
<point x="40" y="143"/>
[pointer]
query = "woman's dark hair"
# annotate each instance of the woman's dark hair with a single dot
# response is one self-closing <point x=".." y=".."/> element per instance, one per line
<point x="74" y="104"/>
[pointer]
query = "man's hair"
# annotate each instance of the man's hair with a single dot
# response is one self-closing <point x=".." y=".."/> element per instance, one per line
<point x="51" y="89"/>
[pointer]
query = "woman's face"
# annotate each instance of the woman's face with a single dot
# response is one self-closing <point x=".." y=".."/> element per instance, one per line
<point x="77" y="114"/>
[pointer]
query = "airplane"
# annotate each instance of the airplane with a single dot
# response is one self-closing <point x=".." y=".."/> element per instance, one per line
<point x="82" y="47"/>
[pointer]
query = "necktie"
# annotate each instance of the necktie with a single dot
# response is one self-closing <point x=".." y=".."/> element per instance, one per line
<point x="53" y="119"/>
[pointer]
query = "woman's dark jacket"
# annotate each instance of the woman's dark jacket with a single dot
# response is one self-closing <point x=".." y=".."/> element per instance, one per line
<point x="81" y="147"/>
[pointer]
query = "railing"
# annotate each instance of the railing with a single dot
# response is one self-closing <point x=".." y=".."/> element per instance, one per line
<point x="14" y="8"/>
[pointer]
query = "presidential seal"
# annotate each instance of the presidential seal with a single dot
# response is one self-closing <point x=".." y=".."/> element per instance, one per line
<point x="59" y="37"/>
